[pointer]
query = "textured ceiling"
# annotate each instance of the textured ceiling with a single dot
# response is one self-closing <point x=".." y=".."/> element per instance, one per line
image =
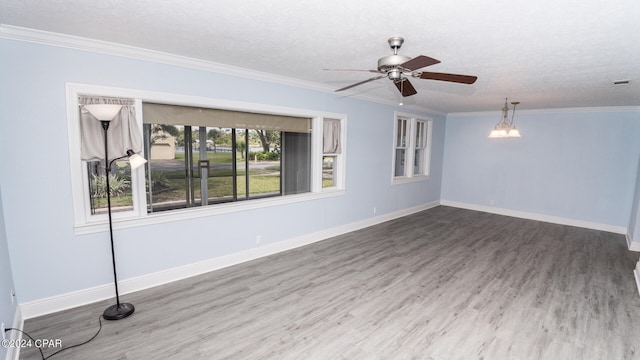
<point x="544" y="53"/>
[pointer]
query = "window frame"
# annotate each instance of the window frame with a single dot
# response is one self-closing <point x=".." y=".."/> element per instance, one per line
<point x="339" y="163"/>
<point x="85" y="223"/>
<point x="410" y="148"/>
<point x="335" y="174"/>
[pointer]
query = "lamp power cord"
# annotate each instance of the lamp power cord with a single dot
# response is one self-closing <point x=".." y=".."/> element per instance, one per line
<point x="61" y="350"/>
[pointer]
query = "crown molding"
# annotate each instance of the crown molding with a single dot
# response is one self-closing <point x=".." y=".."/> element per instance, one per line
<point x="109" y="48"/>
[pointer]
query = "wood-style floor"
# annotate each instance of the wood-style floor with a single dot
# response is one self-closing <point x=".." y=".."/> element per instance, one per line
<point x="444" y="284"/>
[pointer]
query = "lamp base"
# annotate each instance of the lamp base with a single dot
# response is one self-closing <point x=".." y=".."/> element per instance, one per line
<point x="115" y="312"/>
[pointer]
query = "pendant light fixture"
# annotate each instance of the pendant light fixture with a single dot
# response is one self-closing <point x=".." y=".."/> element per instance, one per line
<point x="505" y="128"/>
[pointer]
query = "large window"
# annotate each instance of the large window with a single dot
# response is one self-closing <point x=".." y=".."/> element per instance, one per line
<point x="210" y="157"/>
<point x="412" y="148"/>
<point x="203" y="156"/>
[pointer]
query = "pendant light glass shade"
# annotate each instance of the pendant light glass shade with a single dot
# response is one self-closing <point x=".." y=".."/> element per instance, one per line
<point x="513" y="133"/>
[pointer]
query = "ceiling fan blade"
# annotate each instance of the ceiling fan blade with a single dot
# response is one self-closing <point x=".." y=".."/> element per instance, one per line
<point x="373" y="71"/>
<point x="456" y="78"/>
<point x="419" y="62"/>
<point x="361" y="82"/>
<point x="405" y="87"/>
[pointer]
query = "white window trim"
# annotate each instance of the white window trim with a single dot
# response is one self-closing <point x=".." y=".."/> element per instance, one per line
<point x="409" y="176"/>
<point x="85" y="223"/>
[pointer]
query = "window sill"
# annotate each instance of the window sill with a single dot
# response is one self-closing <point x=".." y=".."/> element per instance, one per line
<point x="406" y="180"/>
<point x="198" y="212"/>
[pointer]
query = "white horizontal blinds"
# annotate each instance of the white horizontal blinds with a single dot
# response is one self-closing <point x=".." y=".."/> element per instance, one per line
<point x="195" y="116"/>
<point x="331" y="136"/>
<point x="123" y="133"/>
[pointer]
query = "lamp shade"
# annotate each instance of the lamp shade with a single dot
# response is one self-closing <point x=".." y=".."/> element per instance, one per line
<point x="136" y="161"/>
<point x="514" y="132"/>
<point x="103" y="112"/>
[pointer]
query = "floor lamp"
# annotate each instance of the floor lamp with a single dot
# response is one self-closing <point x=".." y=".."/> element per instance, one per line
<point x="105" y="113"/>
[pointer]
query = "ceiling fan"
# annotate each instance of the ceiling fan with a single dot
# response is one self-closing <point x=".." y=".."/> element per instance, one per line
<point x="398" y="68"/>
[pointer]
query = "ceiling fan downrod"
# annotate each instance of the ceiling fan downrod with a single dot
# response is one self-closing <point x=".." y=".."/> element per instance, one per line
<point x="395" y="43"/>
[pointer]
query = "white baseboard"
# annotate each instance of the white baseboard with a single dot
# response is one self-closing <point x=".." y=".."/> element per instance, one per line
<point x="86" y="296"/>
<point x="633" y="245"/>
<point x="636" y="274"/>
<point x="13" y="353"/>
<point x="537" y="217"/>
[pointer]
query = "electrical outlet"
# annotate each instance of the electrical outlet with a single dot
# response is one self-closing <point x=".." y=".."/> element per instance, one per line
<point x="375" y="211"/>
<point x="4" y="334"/>
<point x="258" y="239"/>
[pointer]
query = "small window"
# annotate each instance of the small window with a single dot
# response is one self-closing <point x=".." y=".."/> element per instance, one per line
<point x="328" y="171"/>
<point x="332" y="152"/>
<point x="401" y="147"/>
<point x="123" y="133"/>
<point x="412" y="148"/>
<point x="419" y="148"/>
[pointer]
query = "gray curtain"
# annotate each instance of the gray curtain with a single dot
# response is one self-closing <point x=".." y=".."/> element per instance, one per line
<point x="123" y="133"/>
<point x="331" y="136"/>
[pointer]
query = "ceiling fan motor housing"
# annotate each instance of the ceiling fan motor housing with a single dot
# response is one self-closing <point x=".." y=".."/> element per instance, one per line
<point x="389" y="64"/>
<point x="386" y="63"/>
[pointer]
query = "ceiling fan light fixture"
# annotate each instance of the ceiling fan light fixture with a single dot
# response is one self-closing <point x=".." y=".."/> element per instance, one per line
<point x="395" y="74"/>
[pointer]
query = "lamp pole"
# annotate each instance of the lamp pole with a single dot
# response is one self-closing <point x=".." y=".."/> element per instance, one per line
<point x="120" y="310"/>
<point x="105" y="113"/>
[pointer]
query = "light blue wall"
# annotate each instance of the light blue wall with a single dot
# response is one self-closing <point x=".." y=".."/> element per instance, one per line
<point x="48" y="259"/>
<point x="578" y="165"/>
<point x="634" y="221"/>
<point x="7" y="310"/>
